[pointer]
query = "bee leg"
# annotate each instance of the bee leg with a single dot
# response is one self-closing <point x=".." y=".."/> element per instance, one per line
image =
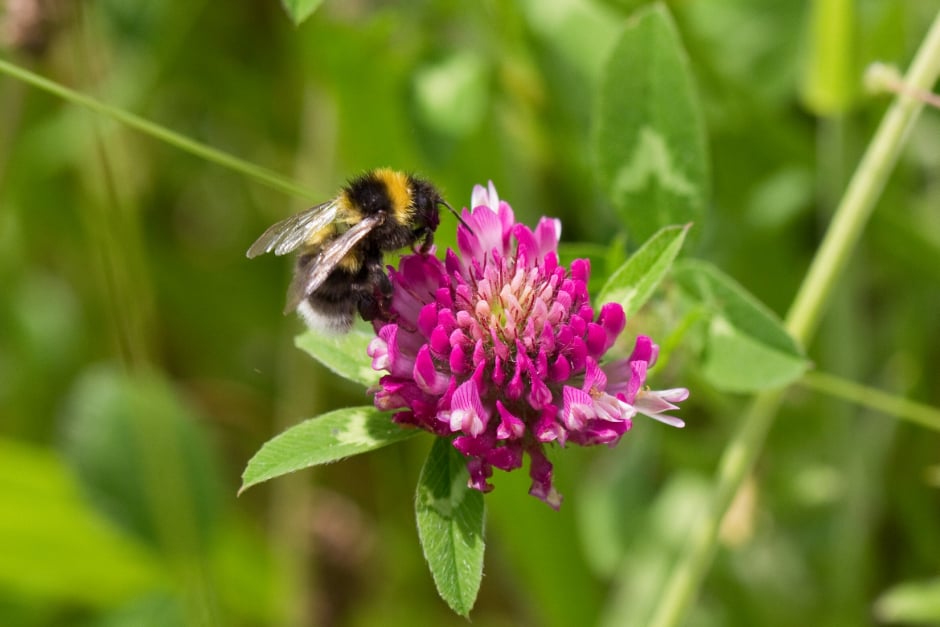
<point x="376" y="304"/>
<point x="427" y="243"/>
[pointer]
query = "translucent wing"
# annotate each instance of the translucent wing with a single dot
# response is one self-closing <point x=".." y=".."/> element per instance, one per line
<point x="309" y="279"/>
<point x="286" y="235"/>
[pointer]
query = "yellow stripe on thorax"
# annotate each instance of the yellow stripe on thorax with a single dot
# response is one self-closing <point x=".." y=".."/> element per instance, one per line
<point x="399" y="193"/>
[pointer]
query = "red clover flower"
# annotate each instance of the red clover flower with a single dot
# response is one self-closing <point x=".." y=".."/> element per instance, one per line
<point x="499" y="348"/>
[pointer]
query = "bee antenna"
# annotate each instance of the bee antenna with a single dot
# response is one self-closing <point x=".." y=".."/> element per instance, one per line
<point x="456" y="215"/>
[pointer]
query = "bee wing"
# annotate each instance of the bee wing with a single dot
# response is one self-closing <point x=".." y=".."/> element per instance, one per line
<point x="286" y="235"/>
<point x="306" y="282"/>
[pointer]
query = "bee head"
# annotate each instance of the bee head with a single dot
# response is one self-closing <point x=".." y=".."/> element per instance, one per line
<point x="426" y="199"/>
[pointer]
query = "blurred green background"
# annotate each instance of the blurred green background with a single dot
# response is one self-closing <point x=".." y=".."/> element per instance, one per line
<point x="143" y="358"/>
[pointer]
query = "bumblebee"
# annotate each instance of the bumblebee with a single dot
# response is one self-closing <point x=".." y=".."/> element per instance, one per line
<point x="341" y="242"/>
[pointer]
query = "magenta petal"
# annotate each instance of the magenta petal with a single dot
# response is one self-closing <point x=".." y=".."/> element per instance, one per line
<point x="594" y="377"/>
<point x="457" y="360"/>
<point x="643" y="352"/>
<point x="642" y="349"/>
<point x="427" y="319"/>
<point x="479" y="473"/>
<point x="439" y="341"/>
<point x="613" y="319"/>
<point x="473" y="446"/>
<point x="526" y="247"/>
<point x="547" y="428"/>
<point x="378" y="351"/>
<point x="487" y="235"/>
<point x="578" y="325"/>
<point x="516" y="386"/>
<point x="581" y="270"/>
<point x="499" y="371"/>
<point x="540" y="470"/>
<point x="560" y="370"/>
<point x="507" y="457"/>
<point x="509" y="425"/>
<point x="467" y="412"/>
<point x="578" y="408"/>
<point x="539" y="395"/>
<point x="547" y="236"/>
<point x="595" y="340"/>
<point x="426" y="374"/>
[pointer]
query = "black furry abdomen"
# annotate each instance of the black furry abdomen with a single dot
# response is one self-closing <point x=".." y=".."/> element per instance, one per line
<point x="367" y="291"/>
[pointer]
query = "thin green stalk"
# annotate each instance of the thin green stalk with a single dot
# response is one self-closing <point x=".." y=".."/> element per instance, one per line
<point x="863" y="191"/>
<point x="851" y="215"/>
<point x="263" y="175"/>
<point x="896" y="406"/>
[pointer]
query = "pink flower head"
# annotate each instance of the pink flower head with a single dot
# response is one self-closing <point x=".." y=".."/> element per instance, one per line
<point x="499" y="348"/>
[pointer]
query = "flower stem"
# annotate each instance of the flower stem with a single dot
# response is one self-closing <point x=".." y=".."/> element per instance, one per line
<point x="263" y="175"/>
<point x="899" y="407"/>
<point x="851" y="215"/>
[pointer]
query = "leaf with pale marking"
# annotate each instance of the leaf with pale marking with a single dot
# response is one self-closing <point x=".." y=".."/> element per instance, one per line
<point x="649" y="137"/>
<point x="343" y="353"/>
<point x="746" y="347"/>
<point x="636" y="280"/>
<point x="327" y="438"/>
<point x="450" y="526"/>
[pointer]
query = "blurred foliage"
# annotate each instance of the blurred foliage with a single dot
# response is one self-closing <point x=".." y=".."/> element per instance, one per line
<point x="143" y="359"/>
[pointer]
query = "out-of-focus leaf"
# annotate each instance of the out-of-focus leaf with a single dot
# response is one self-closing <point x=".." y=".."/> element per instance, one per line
<point x="540" y="546"/>
<point x="249" y="580"/>
<point x="142" y="459"/>
<point x="746" y="347"/>
<point x="579" y="31"/>
<point x="327" y="438"/>
<point x="649" y="139"/>
<point x="612" y="500"/>
<point x="644" y="569"/>
<point x="910" y="602"/>
<point x="300" y="10"/>
<point x="155" y="610"/>
<point x="53" y="544"/>
<point x="779" y="199"/>
<point x="831" y="77"/>
<point x="634" y="282"/>
<point x="451" y="95"/>
<point x="344" y="354"/>
<point x="450" y="526"/>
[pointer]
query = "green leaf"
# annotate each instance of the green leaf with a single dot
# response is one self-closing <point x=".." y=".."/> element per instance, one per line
<point x="54" y="543"/>
<point x="300" y="10"/>
<point x="344" y="354"/>
<point x="636" y="280"/>
<point x="910" y="602"/>
<point x="451" y="95"/>
<point x="142" y="458"/>
<point x="649" y="137"/>
<point x="327" y="438"/>
<point x="450" y="526"/>
<point x="746" y="346"/>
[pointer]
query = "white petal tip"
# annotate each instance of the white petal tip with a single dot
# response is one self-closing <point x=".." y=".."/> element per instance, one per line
<point x="672" y="421"/>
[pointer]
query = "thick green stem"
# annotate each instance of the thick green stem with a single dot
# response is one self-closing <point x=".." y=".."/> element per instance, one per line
<point x="808" y="306"/>
<point x="262" y="175"/>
